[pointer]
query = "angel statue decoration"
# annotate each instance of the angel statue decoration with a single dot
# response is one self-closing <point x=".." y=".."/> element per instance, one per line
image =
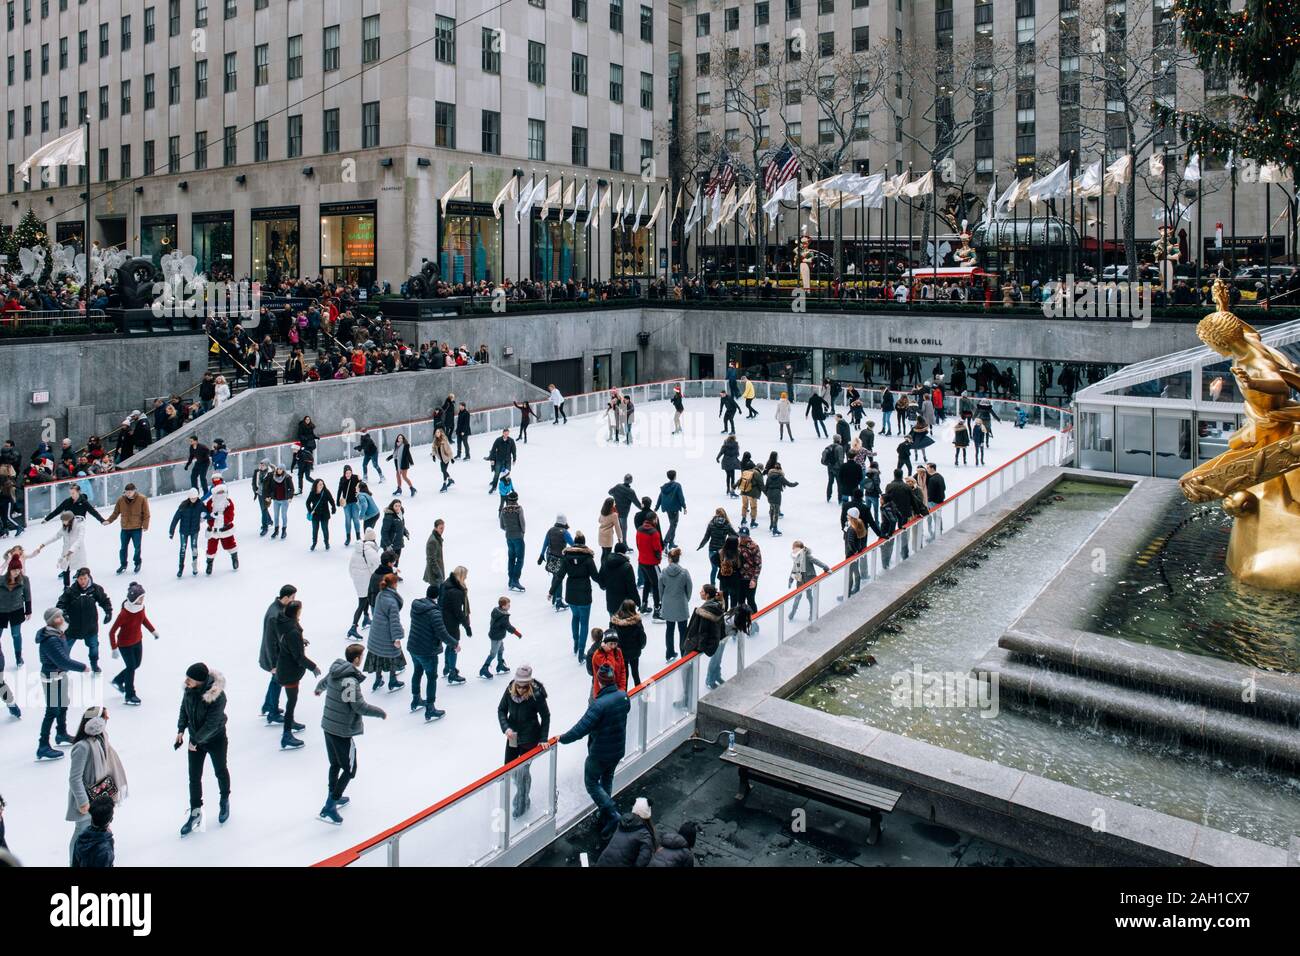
<point x="1258" y="477"/>
<point x="1166" y="252"/>
<point x="964" y="254"/>
<point x="803" y="257"/>
<point x="63" y="262"/>
<point x="32" y="263"/>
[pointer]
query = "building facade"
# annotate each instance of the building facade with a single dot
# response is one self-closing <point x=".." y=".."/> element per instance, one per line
<point x="283" y="137"/>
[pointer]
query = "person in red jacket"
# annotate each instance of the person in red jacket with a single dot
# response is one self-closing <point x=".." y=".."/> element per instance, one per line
<point x="126" y="638"/>
<point x="605" y="650"/>
<point x="649" y="552"/>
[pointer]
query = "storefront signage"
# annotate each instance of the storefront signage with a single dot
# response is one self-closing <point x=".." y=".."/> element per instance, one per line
<point x="360" y="207"/>
<point x="275" y="212"/>
<point x="908" y="340"/>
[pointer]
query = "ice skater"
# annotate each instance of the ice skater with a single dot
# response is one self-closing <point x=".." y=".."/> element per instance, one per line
<point x="220" y="511"/>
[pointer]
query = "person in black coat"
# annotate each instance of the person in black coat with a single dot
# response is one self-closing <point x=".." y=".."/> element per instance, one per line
<point x="625" y="498"/>
<point x="453" y="599"/>
<point x="94" y="846"/>
<point x="502" y="456"/>
<point x="727" y="408"/>
<point x="618" y="578"/>
<point x="77" y="503"/>
<point x="392" y="533"/>
<point x="817" y="409"/>
<point x="634" y="841"/>
<point x="307" y="433"/>
<point x="291" y="663"/>
<point x="320" y="506"/>
<point x="462" y="432"/>
<point x="577" y="572"/>
<point x="675" y="847"/>
<point x="848" y="478"/>
<point x="78" y="603"/>
<point x="525" y="719"/>
<point x="627" y="624"/>
<point x="203" y="715"/>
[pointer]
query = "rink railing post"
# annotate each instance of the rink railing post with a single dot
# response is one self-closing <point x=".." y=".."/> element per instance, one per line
<point x="816" y="594"/>
<point x="393" y="858"/>
<point x="504" y="810"/>
<point x="740" y="647"/>
<point x="780" y="620"/>
<point x="643" y="732"/>
<point x="555" y="782"/>
<point x="153" y="482"/>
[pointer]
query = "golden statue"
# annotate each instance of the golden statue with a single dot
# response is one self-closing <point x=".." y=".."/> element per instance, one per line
<point x="1257" y="477"/>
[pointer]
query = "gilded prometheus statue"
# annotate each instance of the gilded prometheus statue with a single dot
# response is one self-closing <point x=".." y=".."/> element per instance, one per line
<point x="1257" y="477"/>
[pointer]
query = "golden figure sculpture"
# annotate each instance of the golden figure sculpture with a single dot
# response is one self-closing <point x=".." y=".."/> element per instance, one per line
<point x="1257" y="478"/>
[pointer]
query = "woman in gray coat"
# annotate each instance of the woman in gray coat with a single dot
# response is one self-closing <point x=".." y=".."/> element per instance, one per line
<point x="384" y="642"/>
<point x="95" y="766"/>
<point x="675" y="592"/>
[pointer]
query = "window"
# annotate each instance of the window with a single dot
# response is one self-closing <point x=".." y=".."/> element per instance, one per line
<point x="103" y="40"/>
<point x="861" y="39"/>
<point x="703" y="103"/>
<point x="825" y="131"/>
<point x="27" y="121"/>
<point x="491" y="50"/>
<point x="83" y="108"/>
<point x="702" y="24"/>
<point x="536" y="62"/>
<point x="444" y="125"/>
<point x="537" y="140"/>
<point x="232" y="9"/>
<point x="173" y="154"/>
<point x="63" y="112"/>
<point x="703" y="142"/>
<point x="330" y="57"/>
<point x="861" y="128"/>
<point x="229" y="143"/>
<point x="825" y="7"/>
<point x="578" y="73"/>
<point x="647" y="91"/>
<point x="793" y="9"/>
<point x="762" y="54"/>
<point x="201" y="150"/>
<point x="615" y="83"/>
<point x="231" y="81"/>
<point x="200" y="81"/>
<point x="293" y="134"/>
<point x="148" y="157"/>
<point x="150" y="25"/>
<point x="83" y="49"/>
<point x="27" y="64"/>
<point x="647" y="153"/>
<point x="125" y="98"/>
<point x="45" y="59"/>
<point x="731" y="138"/>
<point x="173" y="22"/>
<point x="579" y="141"/>
<point x="330" y="131"/>
<point x="200" y="13"/>
<point x="762" y="96"/>
<point x="261" y="141"/>
<point x="731" y="19"/>
<point x="103" y="165"/>
<point x="63" y="53"/>
<point x="294" y="57"/>
<point x="103" y="103"/>
<point x="616" y="15"/>
<point x="580" y="9"/>
<point x="793" y="49"/>
<point x="126" y="33"/>
<point x="761" y="15"/>
<point x="10" y="71"/>
<point x="702" y="64"/>
<point x="370" y="39"/>
<point x="647" y="34"/>
<point x="491" y="132"/>
<point x="444" y="39"/>
<point x="370" y="124"/>
<point x="45" y="116"/>
<point x="537" y="3"/>
<point x="794" y="132"/>
<point x="826" y="44"/>
<point x="261" y="64"/>
<point x="793" y="93"/>
<point x="616" y="152"/>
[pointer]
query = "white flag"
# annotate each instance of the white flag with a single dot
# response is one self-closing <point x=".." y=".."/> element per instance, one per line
<point x="715" y="214"/>
<point x="459" y="190"/>
<point x="1156" y="165"/>
<point x="553" y="196"/>
<point x="744" y="207"/>
<point x="695" y="211"/>
<point x="508" y="191"/>
<point x="729" y="206"/>
<point x="1016" y="191"/>
<point x="1090" y="180"/>
<point x="1272" y="173"/>
<point x="525" y="202"/>
<point x="658" y="210"/>
<point x="788" y="192"/>
<point x="641" y="209"/>
<point x="894" y="185"/>
<point x="677" y="206"/>
<point x="581" y="200"/>
<point x="629" y="206"/>
<point x="568" y="194"/>
<point x="921" y="187"/>
<point x="600" y="207"/>
<point x="1192" y="171"/>
<point x="618" y="208"/>
<point x="67" y="150"/>
<point x="1118" y="174"/>
<point x="1054" y="184"/>
<point x="869" y="191"/>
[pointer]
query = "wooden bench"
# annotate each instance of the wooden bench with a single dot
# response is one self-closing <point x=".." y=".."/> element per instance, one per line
<point x="803" y="780"/>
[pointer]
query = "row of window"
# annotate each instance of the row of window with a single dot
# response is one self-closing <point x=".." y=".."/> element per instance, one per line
<point x="762" y="14"/>
<point x="230" y="10"/>
<point x="444" y="135"/>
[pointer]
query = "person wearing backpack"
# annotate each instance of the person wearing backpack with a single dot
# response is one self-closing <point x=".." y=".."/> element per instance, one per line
<point x="832" y="457"/>
<point x="750" y="486"/>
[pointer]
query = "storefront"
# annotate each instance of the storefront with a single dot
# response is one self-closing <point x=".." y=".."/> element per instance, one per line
<point x="212" y="243"/>
<point x="471" y="242"/>
<point x="633" y="252"/>
<point x="347" y="242"/>
<point x="766" y="363"/>
<point x="559" y="249"/>
<point x="157" y="236"/>
<point x="70" y="233"/>
<point x="275" y="244"/>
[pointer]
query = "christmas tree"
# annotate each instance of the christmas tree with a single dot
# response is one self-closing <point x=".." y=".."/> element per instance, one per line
<point x="1258" y="48"/>
<point x="29" y="234"/>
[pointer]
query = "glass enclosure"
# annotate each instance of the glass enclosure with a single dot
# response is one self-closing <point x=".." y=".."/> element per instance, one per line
<point x="347" y="242"/>
<point x="157" y="236"/>
<point x="471" y="244"/>
<point x="212" y="243"/>
<point x="275" y="244"/>
<point x="559" y="249"/>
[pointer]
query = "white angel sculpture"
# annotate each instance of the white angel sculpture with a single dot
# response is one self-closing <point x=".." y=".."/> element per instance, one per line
<point x="32" y="262"/>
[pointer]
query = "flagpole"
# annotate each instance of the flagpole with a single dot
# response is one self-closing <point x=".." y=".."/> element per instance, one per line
<point x="472" y="271"/>
<point x="1233" y="213"/>
<point x="1101" y="225"/>
<point x="1200" y="233"/>
<point x="909" y="240"/>
<point x="85" y="239"/>
<point x="934" y="230"/>
<point x="1268" y="240"/>
<point x="1069" y="256"/>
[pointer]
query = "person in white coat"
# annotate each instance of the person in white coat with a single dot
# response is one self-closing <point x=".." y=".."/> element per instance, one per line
<point x="223" y="392"/>
<point x="72" y="546"/>
<point x="365" y="558"/>
<point x="557" y="407"/>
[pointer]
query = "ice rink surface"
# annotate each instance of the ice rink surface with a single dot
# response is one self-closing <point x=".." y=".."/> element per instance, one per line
<point x="404" y="764"/>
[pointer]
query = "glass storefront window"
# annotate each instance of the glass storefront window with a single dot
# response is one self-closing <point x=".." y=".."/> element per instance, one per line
<point x="559" y="250"/>
<point x="1212" y="434"/>
<point x="1177" y="385"/>
<point x="212" y="243"/>
<point x="471" y="247"/>
<point x="275" y="246"/>
<point x="633" y="252"/>
<point x="766" y="363"/>
<point x="1217" y="383"/>
<point x="1133" y="455"/>
<point x="157" y="236"/>
<point x="347" y="246"/>
<point x="1173" y="444"/>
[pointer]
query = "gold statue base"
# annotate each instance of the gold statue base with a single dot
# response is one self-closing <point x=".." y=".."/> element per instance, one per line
<point x="1262" y="549"/>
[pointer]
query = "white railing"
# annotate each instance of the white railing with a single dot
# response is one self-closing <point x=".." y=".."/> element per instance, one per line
<point x="476" y="825"/>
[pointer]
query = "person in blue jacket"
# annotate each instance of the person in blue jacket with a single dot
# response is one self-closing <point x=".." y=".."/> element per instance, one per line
<point x="428" y="637"/>
<point x="672" y="500"/>
<point x="605" y="727"/>
<point x="187" y="519"/>
<point x="55" y="664"/>
<point x="367" y="509"/>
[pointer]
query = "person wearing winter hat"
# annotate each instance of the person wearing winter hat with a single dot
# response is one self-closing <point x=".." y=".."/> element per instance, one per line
<point x="525" y="719"/>
<point x="634" y="841"/>
<point x="95" y="770"/>
<point x="220" y="511"/>
<point x="675" y="847"/>
<point x="188" y="519"/>
<point x="342" y="722"/>
<point x="126" y="637"/>
<point x="604" y="724"/>
<point x="203" y="715"/>
<point x="55" y="664"/>
<point x="263" y="472"/>
<point x="554" y="542"/>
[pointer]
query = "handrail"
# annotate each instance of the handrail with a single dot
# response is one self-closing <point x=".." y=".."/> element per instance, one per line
<point x="354" y="853"/>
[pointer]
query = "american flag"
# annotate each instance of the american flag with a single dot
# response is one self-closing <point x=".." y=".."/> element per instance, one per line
<point x="722" y="178"/>
<point x="781" y="168"/>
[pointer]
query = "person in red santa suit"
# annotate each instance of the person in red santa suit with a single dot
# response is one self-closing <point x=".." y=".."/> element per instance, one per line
<point x="221" y="524"/>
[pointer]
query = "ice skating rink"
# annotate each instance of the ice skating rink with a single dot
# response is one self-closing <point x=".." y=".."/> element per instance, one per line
<point x="404" y="764"/>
